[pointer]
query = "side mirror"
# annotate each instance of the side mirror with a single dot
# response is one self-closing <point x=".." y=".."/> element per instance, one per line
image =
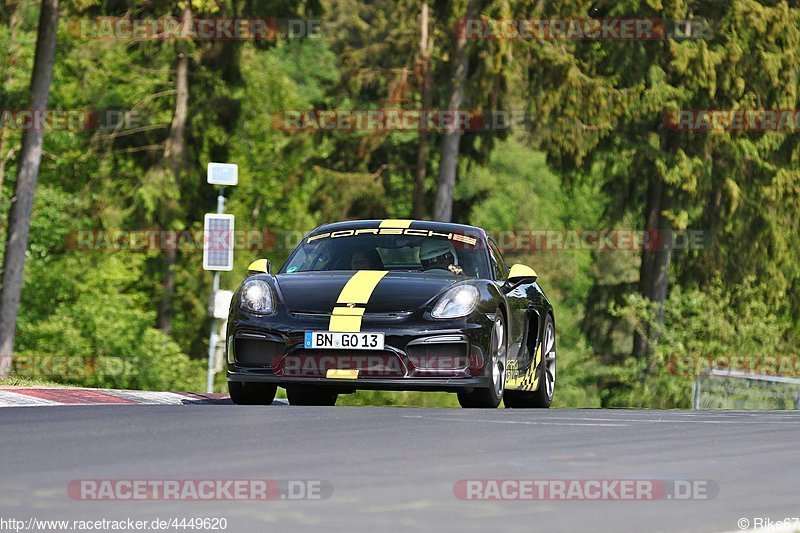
<point x="259" y="266"/>
<point x="519" y="274"/>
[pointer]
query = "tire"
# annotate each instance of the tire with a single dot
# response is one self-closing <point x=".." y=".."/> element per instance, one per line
<point x="251" y="393"/>
<point x="299" y="395"/>
<point x="490" y="397"/>
<point x="542" y="397"/>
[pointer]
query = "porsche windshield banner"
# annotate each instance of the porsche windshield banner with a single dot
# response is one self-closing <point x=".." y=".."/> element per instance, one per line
<point x="472" y="241"/>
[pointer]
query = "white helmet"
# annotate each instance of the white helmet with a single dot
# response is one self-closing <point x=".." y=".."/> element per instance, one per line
<point x="433" y="251"/>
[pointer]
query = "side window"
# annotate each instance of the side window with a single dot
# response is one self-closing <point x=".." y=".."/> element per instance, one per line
<point x="300" y="258"/>
<point x="312" y="257"/>
<point x="321" y="259"/>
<point x="499" y="268"/>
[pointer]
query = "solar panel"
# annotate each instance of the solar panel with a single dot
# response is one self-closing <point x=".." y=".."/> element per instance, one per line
<point x="218" y="242"/>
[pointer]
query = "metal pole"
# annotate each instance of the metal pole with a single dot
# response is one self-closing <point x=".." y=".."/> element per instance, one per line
<point x="221" y="201"/>
<point x="696" y="394"/>
<point x="212" y="336"/>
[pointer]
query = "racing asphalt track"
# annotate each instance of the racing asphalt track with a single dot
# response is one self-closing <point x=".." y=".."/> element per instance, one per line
<point x="394" y="469"/>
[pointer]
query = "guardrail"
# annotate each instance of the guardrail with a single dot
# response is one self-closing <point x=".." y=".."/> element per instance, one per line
<point x="719" y="388"/>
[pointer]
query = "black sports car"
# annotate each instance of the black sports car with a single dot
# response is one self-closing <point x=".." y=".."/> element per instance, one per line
<point x="392" y="305"/>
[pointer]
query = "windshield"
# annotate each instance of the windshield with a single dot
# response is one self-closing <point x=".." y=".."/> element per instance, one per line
<point x="449" y="255"/>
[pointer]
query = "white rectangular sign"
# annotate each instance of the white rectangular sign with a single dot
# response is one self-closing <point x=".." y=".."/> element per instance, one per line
<point x="218" y="242"/>
<point x="222" y="303"/>
<point x="223" y="174"/>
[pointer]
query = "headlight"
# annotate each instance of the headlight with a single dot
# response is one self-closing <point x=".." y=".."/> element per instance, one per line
<point x="257" y="296"/>
<point x="458" y="301"/>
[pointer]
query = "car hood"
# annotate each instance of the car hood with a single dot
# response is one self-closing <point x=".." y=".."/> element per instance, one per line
<point x="317" y="292"/>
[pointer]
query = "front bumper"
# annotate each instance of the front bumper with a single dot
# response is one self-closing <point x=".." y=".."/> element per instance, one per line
<point x="419" y="354"/>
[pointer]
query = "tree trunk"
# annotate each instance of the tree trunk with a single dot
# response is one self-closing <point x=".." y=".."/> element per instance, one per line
<point x="422" y="150"/>
<point x="7" y="154"/>
<point x="451" y="140"/>
<point x="174" y="160"/>
<point x="654" y="269"/>
<point x="19" y="219"/>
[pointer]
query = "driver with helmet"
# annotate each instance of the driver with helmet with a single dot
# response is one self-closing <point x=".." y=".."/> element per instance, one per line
<point x="439" y="254"/>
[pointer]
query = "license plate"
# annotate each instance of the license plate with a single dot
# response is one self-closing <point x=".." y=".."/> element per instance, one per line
<point x="343" y="341"/>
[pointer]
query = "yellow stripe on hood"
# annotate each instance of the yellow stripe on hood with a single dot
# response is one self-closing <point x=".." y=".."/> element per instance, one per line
<point x="346" y="319"/>
<point x="359" y="288"/>
<point x="356" y="291"/>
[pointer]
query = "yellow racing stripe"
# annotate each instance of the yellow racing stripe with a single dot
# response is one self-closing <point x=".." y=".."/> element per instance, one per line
<point x="346" y="319"/>
<point x="356" y="291"/>
<point x="535" y="383"/>
<point x="359" y="288"/>
<point x="395" y="223"/>
<point x="336" y="373"/>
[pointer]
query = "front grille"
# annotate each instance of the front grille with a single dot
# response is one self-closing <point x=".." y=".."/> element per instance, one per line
<point x="386" y="317"/>
<point x="257" y="352"/>
<point x="310" y="314"/>
<point x="438" y="356"/>
<point x="368" y="317"/>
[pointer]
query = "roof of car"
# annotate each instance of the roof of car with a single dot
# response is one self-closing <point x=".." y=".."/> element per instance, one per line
<point x="400" y="223"/>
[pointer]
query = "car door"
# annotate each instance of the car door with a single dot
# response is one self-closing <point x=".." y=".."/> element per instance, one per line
<point x="517" y="303"/>
<point x="525" y="304"/>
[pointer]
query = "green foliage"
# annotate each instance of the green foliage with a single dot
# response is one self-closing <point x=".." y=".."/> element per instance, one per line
<point x="516" y="194"/>
<point x="87" y="305"/>
<point x="699" y="324"/>
<point x="597" y="137"/>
